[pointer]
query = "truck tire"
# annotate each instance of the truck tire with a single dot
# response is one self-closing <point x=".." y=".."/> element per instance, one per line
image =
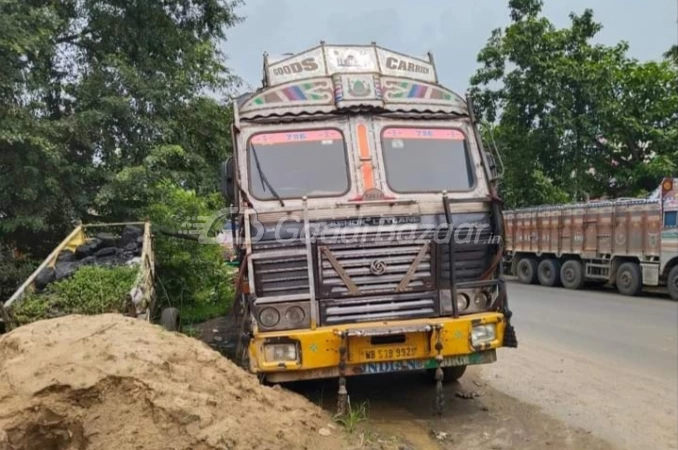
<point x="672" y="283"/>
<point x="452" y="374"/>
<point x="548" y="272"/>
<point x="170" y="319"/>
<point x="629" y="280"/>
<point x="526" y="271"/>
<point x="572" y="274"/>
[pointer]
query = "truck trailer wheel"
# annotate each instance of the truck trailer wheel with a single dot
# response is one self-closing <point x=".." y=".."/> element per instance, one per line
<point x="526" y="271"/>
<point x="170" y="319"/>
<point x="672" y="283"/>
<point x="628" y="279"/>
<point x="548" y="272"/>
<point x="572" y="274"/>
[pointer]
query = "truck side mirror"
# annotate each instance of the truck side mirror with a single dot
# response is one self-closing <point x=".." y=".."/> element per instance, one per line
<point x="227" y="180"/>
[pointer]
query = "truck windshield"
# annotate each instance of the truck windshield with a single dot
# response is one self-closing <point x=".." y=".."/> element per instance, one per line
<point x="426" y="160"/>
<point x="294" y="164"/>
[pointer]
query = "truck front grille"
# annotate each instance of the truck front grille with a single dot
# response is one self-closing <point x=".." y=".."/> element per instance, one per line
<point x="357" y="262"/>
<point x="371" y="279"/>
<point x="281" y="270"/>
<point x="388" y="307"/>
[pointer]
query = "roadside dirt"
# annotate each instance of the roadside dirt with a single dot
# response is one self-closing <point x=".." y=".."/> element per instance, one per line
<point x="400" y="410"/>
<point x="109" y="382"/>
<point x="219" y="333"/>
<point x="400" y="406"/>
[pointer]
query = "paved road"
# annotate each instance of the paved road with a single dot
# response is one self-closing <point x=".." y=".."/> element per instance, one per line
<point x="596" y="359"/>
<point x="640" y="333"/>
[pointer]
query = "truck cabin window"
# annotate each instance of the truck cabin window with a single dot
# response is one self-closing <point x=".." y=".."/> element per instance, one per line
<point x="426" y="160"/>
<point x="296" y="164"/>
<point x="671" y="218"/>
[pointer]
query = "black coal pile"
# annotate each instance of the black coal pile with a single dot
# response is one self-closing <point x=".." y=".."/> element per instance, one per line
<point x="105" y="249"/>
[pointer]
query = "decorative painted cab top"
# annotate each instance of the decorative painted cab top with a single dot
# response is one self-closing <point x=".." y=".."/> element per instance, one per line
<point x="328" y="78"/>
<point x="328" y="60"/>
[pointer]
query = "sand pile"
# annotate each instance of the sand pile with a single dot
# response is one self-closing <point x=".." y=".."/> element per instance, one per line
<point x="114" y="383"/>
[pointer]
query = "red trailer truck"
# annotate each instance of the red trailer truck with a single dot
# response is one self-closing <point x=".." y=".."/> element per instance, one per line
<point x="629" y="243"/>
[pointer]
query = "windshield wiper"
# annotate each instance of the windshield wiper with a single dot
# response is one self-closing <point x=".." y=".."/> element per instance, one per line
<point x="264" y="181"/>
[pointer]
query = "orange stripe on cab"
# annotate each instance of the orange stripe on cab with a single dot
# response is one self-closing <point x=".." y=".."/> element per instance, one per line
<point x="365" y="156"/>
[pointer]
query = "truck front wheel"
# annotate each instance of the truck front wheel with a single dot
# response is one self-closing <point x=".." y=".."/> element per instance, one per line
<point x="672" y="283"/>
<point x="453" y="373"/>
<point x="450" y="374"/>
<point x="572" y="274"/>
<point x="629" y="280"/>
<point x="527" y="271"/>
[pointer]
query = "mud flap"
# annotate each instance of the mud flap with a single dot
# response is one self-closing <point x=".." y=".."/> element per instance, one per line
<point x="510" y="339"/>
<point x="440" y="375"/>
<point x="342" y="396"/>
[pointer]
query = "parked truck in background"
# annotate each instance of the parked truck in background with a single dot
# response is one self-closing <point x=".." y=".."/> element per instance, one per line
<point x="361" y="140"/>
<point x="628" y="243"/>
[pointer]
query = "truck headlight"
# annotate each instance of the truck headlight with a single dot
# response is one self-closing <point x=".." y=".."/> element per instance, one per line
<point x="295" y="315"/>
<point x="269" y="317"/>
<point x="280" y="352"/>
<point x="481" y="301"/>
<point x="462" y="302"/>
<point x="481" y="334"/>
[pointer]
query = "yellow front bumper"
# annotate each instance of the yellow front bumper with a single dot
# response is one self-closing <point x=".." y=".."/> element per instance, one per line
<point x="319" y="349"/>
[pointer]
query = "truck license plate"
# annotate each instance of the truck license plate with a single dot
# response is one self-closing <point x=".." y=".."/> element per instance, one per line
<point x="389" y="353"/>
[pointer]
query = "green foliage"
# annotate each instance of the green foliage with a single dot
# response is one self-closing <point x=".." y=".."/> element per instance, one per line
<point x="105" y="118"/>
<point x="574" y="120"/>
<point x="192" y="331"/>
<point x="91" y="290"/>
<point x="353" y="416"/>
<point x="191" y="275"/>
<point x="94" y="93"/>
<point x="13" y="272"/>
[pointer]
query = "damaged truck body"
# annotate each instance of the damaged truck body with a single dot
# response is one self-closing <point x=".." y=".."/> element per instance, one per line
<point x="367" y="228"/>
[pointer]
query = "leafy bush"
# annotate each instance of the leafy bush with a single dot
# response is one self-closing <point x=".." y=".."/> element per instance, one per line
<point x="191" y="276"/>
<point x="91" y="290"/>
<point x="13" y="272"/>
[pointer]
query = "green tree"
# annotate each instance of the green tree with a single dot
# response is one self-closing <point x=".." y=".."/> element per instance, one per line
<point x="573" y="119"/>
<point x="94" y="91"/>
<point x="31" y="195"/>
<point x="192" y="276"/>
<point x="641" y="128"/>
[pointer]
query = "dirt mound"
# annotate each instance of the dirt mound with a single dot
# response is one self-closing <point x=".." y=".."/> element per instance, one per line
<point x="111" y="382"/>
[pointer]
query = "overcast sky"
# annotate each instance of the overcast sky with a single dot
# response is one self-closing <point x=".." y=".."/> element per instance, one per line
<point x="453" y="30"/>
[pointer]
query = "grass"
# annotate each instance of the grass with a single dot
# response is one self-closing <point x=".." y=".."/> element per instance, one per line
<point x="193" y="313"/>
<point x="90" y="290"/>
<point x="212" y="299"/>
<point x="353" y="416"/>
<point x="192" y="331"/>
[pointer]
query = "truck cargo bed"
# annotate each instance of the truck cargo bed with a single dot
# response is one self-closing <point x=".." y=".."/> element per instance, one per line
<point x="106" y="249"/>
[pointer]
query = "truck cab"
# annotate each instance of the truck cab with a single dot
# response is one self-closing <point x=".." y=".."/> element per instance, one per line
<point x="369" y="231"/>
